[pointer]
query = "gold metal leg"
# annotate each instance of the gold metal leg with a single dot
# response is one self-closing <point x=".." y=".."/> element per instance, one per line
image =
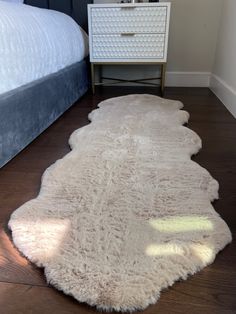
<point x="93" y="78"/>
<point x="99" y="71"/>
<point x="163" y="77"/>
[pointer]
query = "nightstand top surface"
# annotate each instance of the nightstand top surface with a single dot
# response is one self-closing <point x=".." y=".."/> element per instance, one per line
<point x="128" y="5"/>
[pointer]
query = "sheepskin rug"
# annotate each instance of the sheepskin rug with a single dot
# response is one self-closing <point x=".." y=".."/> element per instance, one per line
<point x="127" y="212"/>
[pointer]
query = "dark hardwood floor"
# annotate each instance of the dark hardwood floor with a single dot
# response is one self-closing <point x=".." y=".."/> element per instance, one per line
<point x="23" y="289"/>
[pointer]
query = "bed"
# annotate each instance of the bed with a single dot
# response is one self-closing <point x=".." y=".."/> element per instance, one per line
<point x="49" y="82"/>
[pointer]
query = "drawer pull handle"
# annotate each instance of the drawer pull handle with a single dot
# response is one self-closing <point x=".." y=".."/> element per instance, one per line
<point x="127" y="34"/>
<point x="128" y="8"/>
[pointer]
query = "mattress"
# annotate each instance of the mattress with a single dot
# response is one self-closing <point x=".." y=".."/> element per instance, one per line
<point x="36" y="42"/>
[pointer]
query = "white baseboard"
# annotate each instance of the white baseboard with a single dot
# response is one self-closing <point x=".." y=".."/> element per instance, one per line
<point x="188" y="79"/>
<point x="224" y="92"/>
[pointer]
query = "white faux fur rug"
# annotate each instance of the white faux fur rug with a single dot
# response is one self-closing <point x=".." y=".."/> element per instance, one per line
<point x="127" y="212"/>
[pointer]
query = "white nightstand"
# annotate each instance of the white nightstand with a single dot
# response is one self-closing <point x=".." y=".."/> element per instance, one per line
<point x="129" y="34"/>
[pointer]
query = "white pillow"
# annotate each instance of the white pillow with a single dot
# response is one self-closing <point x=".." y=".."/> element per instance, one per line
<point x="14" y="1"/>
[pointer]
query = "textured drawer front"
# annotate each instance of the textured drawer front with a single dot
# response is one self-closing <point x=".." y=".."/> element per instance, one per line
<point x="131" y="19"/>
<point x="138" y="46"/>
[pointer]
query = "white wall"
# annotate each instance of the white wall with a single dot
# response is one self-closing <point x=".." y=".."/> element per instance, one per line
<point x="223" y="81"/>
<point x="193" y="34"/>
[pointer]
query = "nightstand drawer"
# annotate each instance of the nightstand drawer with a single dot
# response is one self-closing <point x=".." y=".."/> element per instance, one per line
<point x="133" y="19"/>
<point x="128" y="46"/>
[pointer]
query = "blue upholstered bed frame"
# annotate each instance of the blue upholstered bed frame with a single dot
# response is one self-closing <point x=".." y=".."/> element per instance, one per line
<point x="27" y="111"/>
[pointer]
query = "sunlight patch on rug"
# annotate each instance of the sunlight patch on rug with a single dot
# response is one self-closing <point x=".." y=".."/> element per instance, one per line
<point x="127" y="212"/>
<point x="181" y="224"/>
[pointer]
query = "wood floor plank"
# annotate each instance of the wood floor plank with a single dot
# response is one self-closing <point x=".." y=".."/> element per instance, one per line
<point x="14" y="267"/>
<point x="212" y="291"/>
<point x="29" y="299"/>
